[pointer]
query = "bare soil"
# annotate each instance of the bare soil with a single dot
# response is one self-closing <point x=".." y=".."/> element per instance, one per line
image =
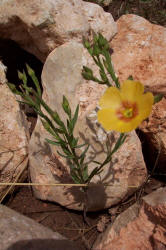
<point x="69" y="223"/>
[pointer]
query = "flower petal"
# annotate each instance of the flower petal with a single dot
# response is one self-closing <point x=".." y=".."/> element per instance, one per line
<point x="145" y="103"/>
<point x="131" y="90"/>
<point x="129" y="126"/>
<point x="111" y="98"/>
<point x="107" y="118"/>
<point x="110" y="121"/>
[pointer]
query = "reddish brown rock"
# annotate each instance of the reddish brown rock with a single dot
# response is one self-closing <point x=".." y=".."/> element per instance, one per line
<point x="20" y="232"/>
<point x="139" y="227"/>
<point x="155" y="136"/>
<point x="140" y="50"/>
<point x="14" y="137"/>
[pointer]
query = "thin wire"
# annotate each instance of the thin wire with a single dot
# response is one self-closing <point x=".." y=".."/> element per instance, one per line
<point x="52" y="184"/>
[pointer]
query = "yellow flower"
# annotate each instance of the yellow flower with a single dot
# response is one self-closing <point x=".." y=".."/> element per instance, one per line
<point x="124" y="109"/>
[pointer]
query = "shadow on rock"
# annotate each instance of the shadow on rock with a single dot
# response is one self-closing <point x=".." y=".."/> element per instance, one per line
<point x="94" y="198"/>
<point x="43" y="244"/>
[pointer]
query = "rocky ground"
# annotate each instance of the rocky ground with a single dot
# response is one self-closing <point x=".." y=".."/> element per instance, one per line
<point x="67" y="222"/>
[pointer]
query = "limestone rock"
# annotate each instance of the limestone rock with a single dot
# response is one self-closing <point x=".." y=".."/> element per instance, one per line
<point x="102" y="2"/>
<point x="40" y="26"/>
<point x="138" y="227"/>
<point x="140" y="50"/>
<point x="18" y="232"/>
<point x="2" y="73"/>
<point x="62" y="76"/>
<point x="106" y="2"/>
<point x="14" y="136"/>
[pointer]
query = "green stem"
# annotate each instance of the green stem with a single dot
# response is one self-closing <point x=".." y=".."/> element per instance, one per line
<point x="75" y="159"/>
<point x="119" y="142"/>
<point x="110" y="68"/>
<point x="102" y="68"/>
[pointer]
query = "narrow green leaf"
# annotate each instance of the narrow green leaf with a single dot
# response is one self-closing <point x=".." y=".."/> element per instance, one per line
<point x="27" y="103"/>
<point x="99" y="171"/>
<point x="69" y="127"/>
<point x="103" y="43"/>
<point x="110" y="68"/>
<point x="57" y="119"/>
<point x="73" y="167"/>
<point x="119" y="142"/>
<point x="66" y="106"/>
<point x="103" y="76"/>
<point x="158" y="98"/>
<point x="87" y="73"/>
<point x="34" y="79"/>
<point x="75" y="178"/>
<point x="95" y="38"/>
<point x="54" y="115"/>
<point x="74" y="142"/>
<point x="82" y="156"/>
<point x="75" y="117"/>
<point x="48" y="127"/>
<point x="13" y="88"/>
<point x="90" y="50"/>
<point x="66" y="151"/>
<point x="130" y="78"/>
<point x="86" y="76"/>
<point x="57" y="143"/>
<point x="65" y="156"/>
<point x="94" y="171"/>
<point x="87" y="70"/>
<point x="86" y="43"/>
<point x="85" y="173"/>
<point x="80" y="146"/>
<point x="59" y="131"/>
<point x="22" y="77"/>
<point x="96" y="50"/>
<point x="97" y="162"/>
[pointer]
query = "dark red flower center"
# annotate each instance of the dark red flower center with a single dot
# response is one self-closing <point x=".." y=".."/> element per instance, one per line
<point x="127" y="111"/>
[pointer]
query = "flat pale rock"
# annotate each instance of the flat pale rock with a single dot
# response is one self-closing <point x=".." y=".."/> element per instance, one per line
<point x="14" y="137"/>
<point x="62" y="76"/>
<point x="140" y="50"/>
<point x="139" y="227"/>
<point x="18" y="232"/>
<point x="40" y="26"/>
<point x="103" y="3"/>
<point x="2" y="73"/>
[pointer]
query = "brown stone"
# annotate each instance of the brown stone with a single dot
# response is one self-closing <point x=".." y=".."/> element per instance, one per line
<point x="14" y="137"/>
<point x="139" y="227"/>
<point x="140" y="50"/>
<point x="154" y="134"/>
<point x="18" y="232"/>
